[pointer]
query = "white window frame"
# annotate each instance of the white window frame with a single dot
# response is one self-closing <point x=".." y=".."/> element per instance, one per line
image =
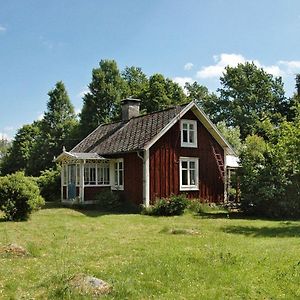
<point x="87" y="169"/>
<point x="188" y="123"/>
<point x="116" y="171"/>
<point x="103" y="167"/>
<point x="189" y="186"/>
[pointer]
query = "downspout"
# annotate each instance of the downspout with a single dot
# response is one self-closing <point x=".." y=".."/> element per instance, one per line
<point x="146" y="176"/>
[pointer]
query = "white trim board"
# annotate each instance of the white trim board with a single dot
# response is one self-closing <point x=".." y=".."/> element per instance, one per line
<point x="203" y="118"/>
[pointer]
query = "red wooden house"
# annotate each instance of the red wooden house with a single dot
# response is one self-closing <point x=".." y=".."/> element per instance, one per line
<point x="145" y="157"/>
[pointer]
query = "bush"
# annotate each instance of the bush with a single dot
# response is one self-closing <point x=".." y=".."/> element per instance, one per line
<point x="108" y="200"/>
<point x="19" y="196"/>
<point x="173" y="206"/>
<point x="50" y="183"/>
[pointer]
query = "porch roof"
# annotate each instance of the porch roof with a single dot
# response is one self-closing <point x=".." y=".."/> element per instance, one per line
<point x="66" y="156"/>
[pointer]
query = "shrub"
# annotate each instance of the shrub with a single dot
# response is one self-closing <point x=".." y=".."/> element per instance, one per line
<point x="49" y="184"/>
<point x="19" y="196"/>
<point x="108" y="200"/>
<point x="173" y="206"/>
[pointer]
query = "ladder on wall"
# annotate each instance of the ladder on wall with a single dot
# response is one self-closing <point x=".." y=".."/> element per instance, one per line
<point x="219" y="160"/>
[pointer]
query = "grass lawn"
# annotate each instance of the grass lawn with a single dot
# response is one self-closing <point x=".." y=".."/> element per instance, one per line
<point x="143" y="258"/>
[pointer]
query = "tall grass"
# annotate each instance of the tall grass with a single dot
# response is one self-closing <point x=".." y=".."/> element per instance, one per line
<point x="143" y="257"/>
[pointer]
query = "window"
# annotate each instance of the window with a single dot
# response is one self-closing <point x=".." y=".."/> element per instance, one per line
<point x="188" y="173"/>
<point x="65" y="175"/>
<point x="188" y="133"/>
<point x="103" y="174"/>
<point x="90" y="174"/>
<point x="77" y="175"/>
<point x="119" y="174"/>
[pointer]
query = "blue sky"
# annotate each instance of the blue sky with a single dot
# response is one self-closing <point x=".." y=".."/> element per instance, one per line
<point x="42" y="42"/>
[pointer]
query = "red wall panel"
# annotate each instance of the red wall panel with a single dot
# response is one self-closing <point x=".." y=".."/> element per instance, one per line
<point x="164" y="164"/>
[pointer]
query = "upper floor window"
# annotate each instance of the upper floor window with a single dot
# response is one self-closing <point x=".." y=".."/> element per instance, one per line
<point x="188" y="133"/>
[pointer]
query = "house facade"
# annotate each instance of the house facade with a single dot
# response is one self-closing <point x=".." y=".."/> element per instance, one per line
<point x="173" y="151"/>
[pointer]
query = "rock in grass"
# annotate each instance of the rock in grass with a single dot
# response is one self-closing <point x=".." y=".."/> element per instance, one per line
<point x="86" y="284"/>
<point x="14" y="250"/>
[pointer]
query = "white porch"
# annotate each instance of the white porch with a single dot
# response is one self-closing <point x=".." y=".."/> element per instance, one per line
<point x="88" y="173"/>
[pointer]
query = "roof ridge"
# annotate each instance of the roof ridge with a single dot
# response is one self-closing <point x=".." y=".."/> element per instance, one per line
<point x="161" y="110"/>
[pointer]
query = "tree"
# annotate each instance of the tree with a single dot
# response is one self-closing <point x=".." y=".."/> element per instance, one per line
<point x="294" y="108"/>
<point x="56" y="129"/>
<point x="208" y="101"/>
<point x="102" y="103"/>
<point x="136" y="81"/>
<point x="4" y="146"/>
<point x="162" y="93"/>
<point x="232" y="135"/>
<point x="18" y="155"/>
<point x="271" y="173"/>
<point x="248" y="96"/>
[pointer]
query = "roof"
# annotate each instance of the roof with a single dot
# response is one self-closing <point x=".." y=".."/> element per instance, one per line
<point x="232" y="161"/>
<point x="142" y="132"/>
<point x="131" y="136"/>
<point x="78" y="156"/>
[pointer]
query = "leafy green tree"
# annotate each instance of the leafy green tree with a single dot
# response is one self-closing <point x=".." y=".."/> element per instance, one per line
<point x="232" y="135"/>
<point x="137" y="82"/>
<point x="271" y="173"/>
<point x="56" y="129"/>
<point x="4" y="146"/>
<point x="18" y="156"/>
<point x="162" y="93"/>
<point x="248" y="96"/>
<point x="102" y="103"/>
<point x="208" y="101"/>
<point x="294" y="109"/>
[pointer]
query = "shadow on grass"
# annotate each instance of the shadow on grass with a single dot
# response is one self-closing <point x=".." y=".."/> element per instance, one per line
<point x="285" y="229"/>
<point x="220" y="215"/>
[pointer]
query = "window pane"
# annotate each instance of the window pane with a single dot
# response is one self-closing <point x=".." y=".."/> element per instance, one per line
<point x="116" y="176"/>
<point x="65" y="175"/>
<point x="185" y="126"/>
<point x="184" y="164"/>
<point x="192" y="177"/>
<point x="191" y="136"/>
<point x="92" y="175"/>
<point x="120" y="177"/>
<point x="78" y="175"/>
<point x="192" y="165"/>
<point x="184" y="177"/>
<point x="185" y="136"/>
<point x="86" y="175"/>
<point x="106" y="175"/>
<point x="191" y="126"/>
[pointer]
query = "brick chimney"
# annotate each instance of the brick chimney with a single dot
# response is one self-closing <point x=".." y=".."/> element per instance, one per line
<point x="130" y="108"/>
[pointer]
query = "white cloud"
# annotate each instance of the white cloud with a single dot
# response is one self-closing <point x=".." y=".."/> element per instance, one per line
<point x="221" y="61"/>
<point x="182" y="80"/>
<point x="291" y="66"/>
<point x="188" y="66"/>
<point x="2" y="28"/>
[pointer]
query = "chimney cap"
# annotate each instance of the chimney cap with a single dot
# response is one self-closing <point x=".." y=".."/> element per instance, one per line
<point x="129" y="99"/>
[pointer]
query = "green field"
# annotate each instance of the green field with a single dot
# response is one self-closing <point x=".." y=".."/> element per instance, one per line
<point x="144" y="257"/>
